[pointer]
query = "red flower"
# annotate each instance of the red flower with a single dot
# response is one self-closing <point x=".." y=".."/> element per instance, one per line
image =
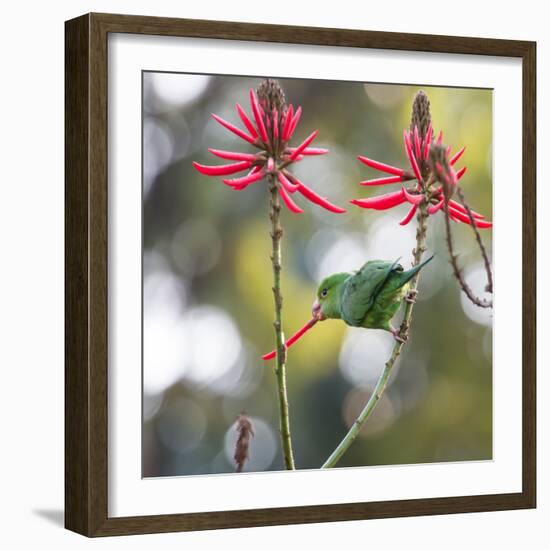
<point x="270" y="130"/>
<point x="428" y="175"/>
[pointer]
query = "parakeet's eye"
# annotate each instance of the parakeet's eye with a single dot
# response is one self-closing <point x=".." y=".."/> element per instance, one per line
<point x="324" y="292"/>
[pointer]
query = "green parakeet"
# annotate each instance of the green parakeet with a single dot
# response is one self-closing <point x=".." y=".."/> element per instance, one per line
<point x="367" y="298"/>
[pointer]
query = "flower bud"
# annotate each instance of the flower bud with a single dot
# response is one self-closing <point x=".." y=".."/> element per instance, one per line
<point x="421" y="116"/>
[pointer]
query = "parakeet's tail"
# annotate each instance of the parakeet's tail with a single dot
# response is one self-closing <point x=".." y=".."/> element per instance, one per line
<point x="406" y="276"/>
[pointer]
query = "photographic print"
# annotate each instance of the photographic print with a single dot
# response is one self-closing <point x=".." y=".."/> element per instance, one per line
<point x="317" y="274"/>
<point x="281" y="267"/>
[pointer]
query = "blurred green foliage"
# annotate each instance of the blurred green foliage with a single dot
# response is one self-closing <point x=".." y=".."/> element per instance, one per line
<point x="207" y="286"/>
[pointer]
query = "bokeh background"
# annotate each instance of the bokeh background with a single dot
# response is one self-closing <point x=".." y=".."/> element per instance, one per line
<point x="207" y="279"/>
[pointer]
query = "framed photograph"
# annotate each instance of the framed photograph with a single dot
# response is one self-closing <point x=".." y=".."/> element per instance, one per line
<point x="300" y="275"/>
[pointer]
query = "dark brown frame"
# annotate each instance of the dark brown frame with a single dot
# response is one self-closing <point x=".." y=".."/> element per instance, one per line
<point x="86" y="274"/>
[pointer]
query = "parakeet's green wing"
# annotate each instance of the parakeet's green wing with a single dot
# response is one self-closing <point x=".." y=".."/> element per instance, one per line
<point x="362" y="289"/>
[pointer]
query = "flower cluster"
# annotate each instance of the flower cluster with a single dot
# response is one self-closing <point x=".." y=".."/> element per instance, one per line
<point x="431" y="168"/>
<point x="270" y="130"/>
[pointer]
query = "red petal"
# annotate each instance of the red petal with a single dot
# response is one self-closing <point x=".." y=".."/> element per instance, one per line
<point x="317" y="199"/>
<point x="440" y="138"/>
<point x="294" y="122"/>
<point x="288" y="185"/>
<point x="456" y="220"/>
<point x="245" y="180"/>
<point x="231" y="155"/>
<point x="288" y="119"/>
<point x="223" y="170"/>
<point x="258" y="116"/>
<point x="416" y="142"/>
<point x="409" y="216"/>
<point x="246" y="121"/>
<point x="413" y="199"/>
<point x="457" y="156"/>
<point x="458" y="206"/>
<point x="483" y="224"/>
<point x="381" y="166"/>
<point x="412" y="159"/>
<point x="382" y="202"/>
<point x="460" y="173"/>
<point x="459" y="216"/>
<point x="275" y="123"/>
<point x="290" y="204"/>
<point x="428" y="141"/>
<point x="310" y="150"/>
<point x="436" y="207"/>
<point x="304" y="144"/>
<point x="234" y="129"/>
<point x="294" y="338"/>
<point x="382" y="181"/>
<point x="241" y="186"/>
<point x="464" y="218"/>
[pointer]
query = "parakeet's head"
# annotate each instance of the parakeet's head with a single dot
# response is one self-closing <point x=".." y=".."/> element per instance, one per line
<point x="327" y="304"/>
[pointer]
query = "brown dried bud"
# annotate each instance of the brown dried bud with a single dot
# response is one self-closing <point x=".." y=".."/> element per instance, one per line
<point x="242" y="447"/>
<point x="271" y="96"/>
<point x="421" y="116"/>
<point x="441" y="168"/>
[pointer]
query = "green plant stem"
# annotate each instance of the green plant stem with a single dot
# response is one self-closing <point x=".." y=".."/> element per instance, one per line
<point x="353" y="432"/>
<point x="280" y="367"/>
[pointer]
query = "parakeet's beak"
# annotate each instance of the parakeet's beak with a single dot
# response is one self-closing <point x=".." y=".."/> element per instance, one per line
<point x="316" y="311"/>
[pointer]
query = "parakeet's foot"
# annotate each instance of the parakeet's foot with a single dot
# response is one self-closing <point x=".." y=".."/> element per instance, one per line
<point x="397" y="335"/>
<point x="411" y="296"/>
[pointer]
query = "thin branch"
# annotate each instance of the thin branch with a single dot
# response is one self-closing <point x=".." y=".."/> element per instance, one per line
<point x="280" y="367"/>
<point x="454" y="257"/>
<point x="487" y="263"/>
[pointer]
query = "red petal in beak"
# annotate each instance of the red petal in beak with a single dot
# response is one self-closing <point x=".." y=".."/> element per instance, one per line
<point x="292" y="339"/>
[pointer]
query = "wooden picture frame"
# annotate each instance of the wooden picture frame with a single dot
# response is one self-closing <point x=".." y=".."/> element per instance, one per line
<point x="86" y="283"/>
